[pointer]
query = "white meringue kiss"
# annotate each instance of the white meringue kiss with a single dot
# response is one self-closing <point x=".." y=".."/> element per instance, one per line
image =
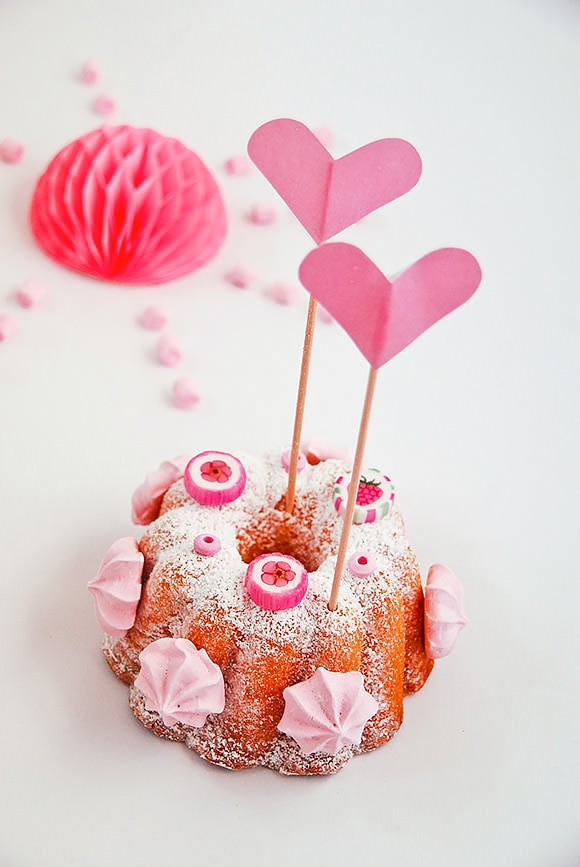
<point x="117" y="587"/>
<point x="327" y="712"/>
<point x="180" y="682"/>
<point x="444" y="616"/>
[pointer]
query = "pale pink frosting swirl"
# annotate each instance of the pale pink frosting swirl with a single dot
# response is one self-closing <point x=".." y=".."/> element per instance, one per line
<point x="146" y="501"/>
<point x="117" y="587"/>
<point x="327" y="712"/>
<point x="444" y="616"/>
<point x="180" y="682"/>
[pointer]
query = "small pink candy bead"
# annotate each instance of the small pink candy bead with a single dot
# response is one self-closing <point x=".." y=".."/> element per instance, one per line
<point x="282" y="293"/>
<point x="89" y="73"/>
<point x="238" y="165"/>
<point x="7" y="326"/>
<point x="206" y="545"/>
<point x="361" y="564"/>
<point x="153" y="318"/>
<point x="262" y="214"/>
<point x="11" y="151"/>
<point x="241" y="277"/>
<point x="168" y="351"/>
<point x="104" y="105"/>
<point x="185" y="393"/>
<point x="30" y="293"/>
<point x="286" y="460"/>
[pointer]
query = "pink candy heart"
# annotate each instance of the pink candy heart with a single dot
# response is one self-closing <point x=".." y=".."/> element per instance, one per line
<point x="328" y="195"/>
<point x="383" y="317"/>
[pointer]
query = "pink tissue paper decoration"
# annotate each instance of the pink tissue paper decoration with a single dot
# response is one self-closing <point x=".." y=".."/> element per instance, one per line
<point x="128" y="205"/>
<point x="89" y="72"/>
<point x="7" y="326"/>
<point x="328" y="195"/>
<point x="154" y="318"/>
<point x="383" y="317"/>
<point x="116" y="588"/>
<point x="11" y="151"/>
<point x="444" y="616"/>
<point x="168" y="351"/>
<point x="180" y="682"/>
<point x="241" y="276"/>
<point x="282" y="293"/>
<point x="262" y="214"/>
<point x="30" y="293"/>
<point x="185" y="393"/>
<point x="146" y="500"/>
<point x="104" y="105"/>
<point x="238" y="165"/>
<point x="327" y="712"/>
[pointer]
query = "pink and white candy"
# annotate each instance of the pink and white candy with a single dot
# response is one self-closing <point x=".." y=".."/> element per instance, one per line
<point x="276" y="581"/>
<point x="180" y="682"/>
<point x="30" y="293"/>
<point x="11" y="151"/>
<point x="207" y="545"/>
<point x="444" y="616"/>
<point x="117" y="587"/>
<point x="214" y="478"/>
<point x="361" y="564"/>
<point x="262" y="214"/>
<point x="285" y="460"/>
<point x="185" y="393"/>
<point x="375" y="495"/>
<point x="168" y="351"/>
<point x="154" y="318"/>
<point x="327" y="712"/>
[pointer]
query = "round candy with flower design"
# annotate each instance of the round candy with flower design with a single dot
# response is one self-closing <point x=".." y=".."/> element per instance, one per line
<point x="214" y="478"/>
<point x="276" y="581"/>
<point x="375" y="496"/>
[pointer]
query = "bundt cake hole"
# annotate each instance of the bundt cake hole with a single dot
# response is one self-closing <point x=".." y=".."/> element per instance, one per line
<point x="277" y="532"/>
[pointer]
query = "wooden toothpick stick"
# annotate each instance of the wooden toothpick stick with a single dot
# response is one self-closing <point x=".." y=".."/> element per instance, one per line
<point x="353" y="489"/>
<point x="298" y="418"/>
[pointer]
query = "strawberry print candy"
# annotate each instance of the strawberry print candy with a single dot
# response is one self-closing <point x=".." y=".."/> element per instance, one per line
<point x="375" y="497"/>
<point x="276" y="581"/>
<point x="214" y="478"/>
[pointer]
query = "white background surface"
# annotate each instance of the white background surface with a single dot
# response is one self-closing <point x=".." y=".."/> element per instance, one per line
<point x="477" y="422"/>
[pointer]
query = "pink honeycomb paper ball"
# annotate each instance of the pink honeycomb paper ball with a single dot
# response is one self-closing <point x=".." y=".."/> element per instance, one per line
<point x="128" y="205"/>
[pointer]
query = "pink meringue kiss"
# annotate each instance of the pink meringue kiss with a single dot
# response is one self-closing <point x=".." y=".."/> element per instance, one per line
<point x="128" y="205"/>
<point x="241" y="277"/>
<point x="146" y="500"/>
<point x="262" y="215"/>
<point x="282" y="293"/>
<point x="185" y="393"/>
<point x="238" y="165"/>
<point x="444" y="617"/>
<point x="361" y="564"/>
<point x="214" y="478"/>
<point x="117" y="587"/>
<point x="7" y="326"/>
<point x="30" y="293"/>
<point x="285" y="460"/>
<point x="168" y="351"/>
<point x="276" y="582"/>
<point x="104" y="105"/>
<point x="89" y="73"/>
<point x="11" y="151"/>
<point x="327" y="712"/>
<point x="180" y="682"/>
<point x="154" y="318"/>
<point x="207" y="545"/>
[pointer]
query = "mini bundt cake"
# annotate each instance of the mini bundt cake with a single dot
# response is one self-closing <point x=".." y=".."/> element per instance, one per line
<point x="218" y="617"/>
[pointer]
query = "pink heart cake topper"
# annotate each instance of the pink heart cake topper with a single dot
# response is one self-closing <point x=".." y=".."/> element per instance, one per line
<point x="328" y="195"/>
<point x="383" y="317"/>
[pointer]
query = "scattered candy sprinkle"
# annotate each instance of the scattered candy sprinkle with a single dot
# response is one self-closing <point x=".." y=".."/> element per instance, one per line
<point x="283" y="293"/>
<point x="153" y="318"/>
<point x="241" y="277"/>
<point x="185" y="393"/>
<point x="238" y="165"/>
<point x="104" y="105"/>
<point x="262" y="215"/>
<point x="30" y="293"/>
<point x="7" y="326"/>
<point x="89" y="73"/>
<point x="206" y="545"/>
<point x="11" y="151"/>
<point x="168" y="351"/>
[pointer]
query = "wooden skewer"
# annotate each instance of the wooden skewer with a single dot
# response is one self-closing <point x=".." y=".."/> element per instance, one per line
<point x="353" y="489"/>
<point x="298" y="418"/>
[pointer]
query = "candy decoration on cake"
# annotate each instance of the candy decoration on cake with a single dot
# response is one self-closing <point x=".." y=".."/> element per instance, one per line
<point x="214" y="478"/>
<point x="375" y="496"/>
<point x="327" y="712"/>
<point x="180" y="682"/>
<point x="207" y="545"/>
<point x="146" y="500"/>
<point x="286" y="457"/>
<point x="327" y="196"/>
<point x="361" y="564"/>
<point x="444" y="616"/>
<point x="276" y="581"/>
<point x="116" y="588"/>
<point x="128" y="205"/>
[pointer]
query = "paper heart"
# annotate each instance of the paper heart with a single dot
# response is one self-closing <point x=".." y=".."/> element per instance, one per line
<point x="328" y="195"/>
<point x="381" y="316"/>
